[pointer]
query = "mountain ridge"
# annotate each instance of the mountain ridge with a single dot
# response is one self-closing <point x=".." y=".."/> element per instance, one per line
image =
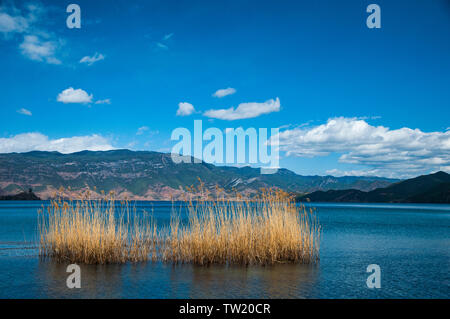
<point x="148" y="175"/>
<point x="431" y="188"/>
<point x="21" y="196"/>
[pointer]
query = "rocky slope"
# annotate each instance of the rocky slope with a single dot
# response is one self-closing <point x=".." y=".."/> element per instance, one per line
<point x="150" y="175"/>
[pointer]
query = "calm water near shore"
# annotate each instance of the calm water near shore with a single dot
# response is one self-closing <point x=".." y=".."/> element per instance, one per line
<point x="410" y="242"/>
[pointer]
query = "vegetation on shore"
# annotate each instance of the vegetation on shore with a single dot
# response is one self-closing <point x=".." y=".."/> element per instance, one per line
<point x="267" y="229"/>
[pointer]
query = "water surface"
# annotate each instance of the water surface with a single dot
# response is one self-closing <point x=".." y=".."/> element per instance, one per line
<point x="409" y="242"/>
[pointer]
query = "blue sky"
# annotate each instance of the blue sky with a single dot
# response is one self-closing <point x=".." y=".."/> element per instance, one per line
<point x="352" y="100"/>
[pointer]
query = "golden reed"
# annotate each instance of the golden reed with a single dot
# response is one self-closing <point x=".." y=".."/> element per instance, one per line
<point x="95" y="232"/>
<point x="268" y="229"/>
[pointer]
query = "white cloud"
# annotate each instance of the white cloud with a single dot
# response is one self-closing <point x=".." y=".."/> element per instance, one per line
<point x="162" y="46"/>
<point x="141" y="130"/>
<point x="224" y="92"/>
<point x="24" y="112"/>
<point x="185" y="109"/>
<point x="105" y="101"/>
<point x="401" y="152"/>
<point x="89" y="60"/>
<point x="38" y="142"/>
<point x="12" y="24"/>
<point x="245" y="110"/>
<point x="38" y="50"/>
<point x="168" y="36"/>
<point x="71" y="95"/>
<point x="131" y="145"/>
<point x="338" y="172"/>
<point x="38" y="44"/>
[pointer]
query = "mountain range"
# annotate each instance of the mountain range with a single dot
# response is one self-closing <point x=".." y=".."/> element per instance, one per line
<point x="21" y="196"/>
<point x="146" y="175"/>
<point x="433" y="188"/>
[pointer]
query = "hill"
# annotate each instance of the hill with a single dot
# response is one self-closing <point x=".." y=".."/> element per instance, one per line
<point x="21" y="196"/>
<point x="433" y="188"/>
<point x="150" y="175"/>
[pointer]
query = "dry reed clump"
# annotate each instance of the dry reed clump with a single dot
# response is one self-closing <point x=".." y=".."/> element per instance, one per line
<point x="269" y="229"/>
<point x="95" y="232"/>
<point x="266" y="230"/>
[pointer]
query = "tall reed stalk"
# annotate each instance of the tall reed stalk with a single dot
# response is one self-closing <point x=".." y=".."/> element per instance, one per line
<point x="95" y="232"/>
<point x="268" y="229"/>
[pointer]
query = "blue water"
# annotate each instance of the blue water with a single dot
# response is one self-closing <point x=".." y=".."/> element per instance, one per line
<point x="410" y="243"/>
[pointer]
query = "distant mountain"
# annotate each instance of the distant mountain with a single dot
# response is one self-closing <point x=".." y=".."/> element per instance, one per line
<point x="433" y="188"/>
<point x="21" y="196"/>
<point x="150" y="175"/>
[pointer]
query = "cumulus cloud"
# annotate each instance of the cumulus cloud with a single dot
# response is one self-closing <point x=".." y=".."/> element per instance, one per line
<point x="24" y="112"/>
<point x="38" y="44"/>
<point x="38" y="142"/>
<point x="224" y="92"/>
<point x="245" y="110"/>
<point x="39" y="50"/>
<point x="185" y="109"/>
<point x="401" y="152"/>
<point x="89" y="60"/>
<point x="71" y="95"/>
<point x="12" y="24"/>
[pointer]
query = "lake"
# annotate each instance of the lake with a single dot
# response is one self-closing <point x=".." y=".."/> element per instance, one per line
<point x="410" y="243"/>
